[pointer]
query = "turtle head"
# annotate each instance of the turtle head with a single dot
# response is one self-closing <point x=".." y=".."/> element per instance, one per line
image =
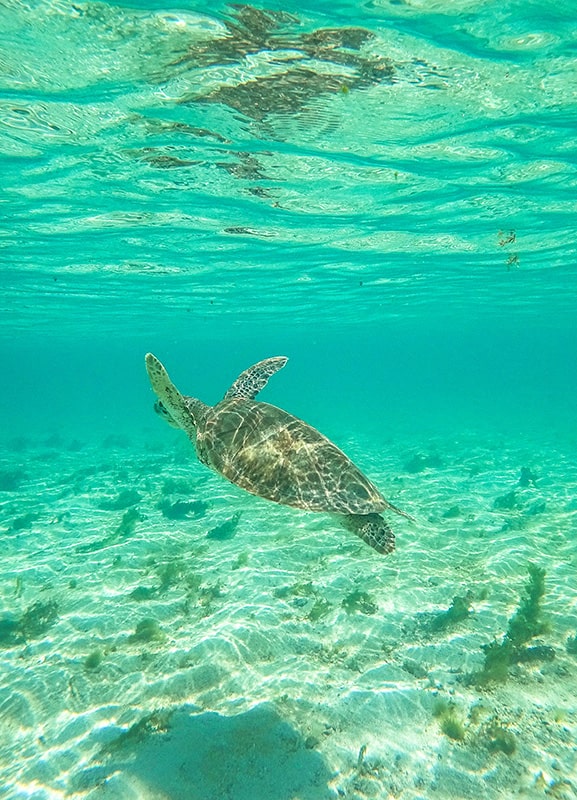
<point x="170" y="405"/>
<point x="162" y="412"/>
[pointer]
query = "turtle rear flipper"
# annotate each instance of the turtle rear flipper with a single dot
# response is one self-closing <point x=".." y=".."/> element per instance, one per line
<point x="373" y="530"/>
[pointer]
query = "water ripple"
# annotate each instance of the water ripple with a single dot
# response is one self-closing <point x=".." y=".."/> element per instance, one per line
<point x="222" y="145"/>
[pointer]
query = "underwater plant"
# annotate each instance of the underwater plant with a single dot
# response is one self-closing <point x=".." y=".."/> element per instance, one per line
<point x="319" y="609"/>
<point x="527" y="477"/>
<point x="500" y="740"/>
<point x="93" y="660"/>
<point x="128" y="523"/>
<point x="449" y="722"/>
<point x="156" y="722"/>
<point x="10" y="479"/>
<point x="147" y="630"/>
<point x="9" y="633"/>
<point x="241" y="560"/>
<point x="171" y="573"/>
<point x="24" y="522"/>
<point x="225" y="530"/>
<point x="178" y="486"/>
<point x="143" y="593"/>
<point x="524" y="625"/>
<point x="414" y="668"/>
<point x="125" y="529"/>
<point x="506" y="502"/>
<point x="419" y="463"/>
<point x="126" y="498"/>
<point x="301" y="589"/>
<point x="452" y="513"/>
<point x="209" y="593"/>
<point x="182" y="509"/>
<point x="571" y="645"/>
<point x="34" y="622"/>
<point x="453" y="728"/>
<point x="359" y="601"/>
<point x="526" y="622"/>
<point x="459" y="610"/>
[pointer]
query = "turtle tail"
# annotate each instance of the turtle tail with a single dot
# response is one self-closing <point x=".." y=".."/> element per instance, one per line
<point x="373" y="530"/>
<point x="391" y="507"/>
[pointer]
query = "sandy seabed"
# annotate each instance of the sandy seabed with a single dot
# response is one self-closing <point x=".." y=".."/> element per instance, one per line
<point x="165" y="636"/>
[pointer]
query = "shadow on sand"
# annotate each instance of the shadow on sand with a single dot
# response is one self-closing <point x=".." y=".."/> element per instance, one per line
<point x="251" y="756"/>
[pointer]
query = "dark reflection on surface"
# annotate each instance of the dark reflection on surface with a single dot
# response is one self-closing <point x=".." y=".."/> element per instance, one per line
<point x="324" y="61"/>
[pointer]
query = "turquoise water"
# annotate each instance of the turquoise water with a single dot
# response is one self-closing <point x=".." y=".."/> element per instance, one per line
<point x="384" y="192"/>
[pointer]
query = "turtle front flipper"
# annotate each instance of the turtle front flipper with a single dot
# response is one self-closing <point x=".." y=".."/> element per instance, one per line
<point x="175" y="408"/>
<point x="373" y="530"/>
<point x="252" y="380"/>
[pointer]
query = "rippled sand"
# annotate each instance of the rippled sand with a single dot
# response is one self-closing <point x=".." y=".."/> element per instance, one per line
<point x="279" y="657"/>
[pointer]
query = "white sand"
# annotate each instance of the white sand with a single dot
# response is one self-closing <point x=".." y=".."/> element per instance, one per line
<point x="266" y="686"/>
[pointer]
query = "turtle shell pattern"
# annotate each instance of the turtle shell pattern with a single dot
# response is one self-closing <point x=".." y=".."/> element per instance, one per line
<point x="272" y="454"/>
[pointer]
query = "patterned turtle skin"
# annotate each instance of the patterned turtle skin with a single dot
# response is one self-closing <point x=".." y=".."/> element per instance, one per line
<point x="273" y="454"/>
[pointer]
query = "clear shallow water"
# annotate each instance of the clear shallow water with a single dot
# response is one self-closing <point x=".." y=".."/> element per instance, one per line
<point x="385" y="193"/>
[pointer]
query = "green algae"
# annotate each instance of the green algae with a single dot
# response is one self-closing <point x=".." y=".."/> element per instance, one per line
<point x="420" y="462"/>
<point x="295" y="590"/>
<point x="178" y="486"/>
<point x="156" y="722"/>
<point x="506" y="502"/>
<point x="319" y="609"/>
<point x="24" y="522"/>
<point x="450" y="724"/>
<point x="208" y="594"/>
<point x="38" y="618"/>
<point x="171" y="574"/>
<point x="123" y="531"/>
<point x="10" y="633"/>
<point x="182" y="509"/>
<point x="459" y="610"/>
<point x="414" y="668"/>
<point x="225" y="530"/>
<point x="147" y="630"/>
<point x="93" y="660"/>
<point x="453" y="728"/>
<point x="500" y="740"/>
<point x="33" y="623"/>
<point x="241" y="560"/>
<point x="527" y="477"/>
<point x="11" y="479"/>
<point x="524" y="625"/>
<point x="452" y="513"/>
<point x="125" y="499"/>
<point x="127" y="524"/>
<point x="532" y="655"/>
<point x="142" y="593"/>
<point x="361" y="602"/>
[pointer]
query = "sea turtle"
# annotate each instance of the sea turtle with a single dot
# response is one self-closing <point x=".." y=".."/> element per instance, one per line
<point x="272" y="454"/>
